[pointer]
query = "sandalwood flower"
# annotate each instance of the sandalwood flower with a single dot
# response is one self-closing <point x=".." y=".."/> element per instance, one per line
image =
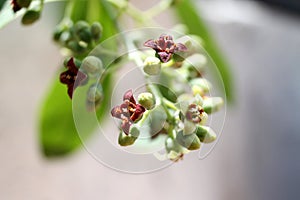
<point x="129" y="111"/>
<point x="165" y="47"/>
<point x="72" y="77"/>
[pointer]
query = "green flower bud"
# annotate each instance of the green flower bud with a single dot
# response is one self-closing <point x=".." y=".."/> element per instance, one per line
<point x="30" y="17"/>
<point x="92" y="106"/>
<point x="81" y="25"/>
<point x="152" y="66"/>
<point x="85" y="35"/>
<point x="146" y="99"/>
<point x="95" y="93"/>
<point x="92" y="65"/>
<point x="206" y="134"/>
<point x="126" y="140"/>
<point x="57" y="33"/>
<point x="200" y="86"/>
<point x="24" y="3"/>
<point x="191" y="142"/>
<point x="96" y="30"/>
<point x="196" y="61"/>
<point x="212" y="104"/>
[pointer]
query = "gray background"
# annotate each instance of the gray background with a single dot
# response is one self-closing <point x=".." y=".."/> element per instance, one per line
<point x="256" y="158"/>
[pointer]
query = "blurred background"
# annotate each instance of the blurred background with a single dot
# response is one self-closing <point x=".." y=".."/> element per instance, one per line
<point x="256" y="157"/>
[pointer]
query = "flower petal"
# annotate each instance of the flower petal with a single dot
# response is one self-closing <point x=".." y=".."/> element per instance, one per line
<point x="151" y="43"/>
<point x="164" y="57"/>
<point x="116" y="112"/>
<point x="138" y="113"/>
<point x="180" y="47"/>
<point x="126" y="126"/>
<point x="129" y="96"/>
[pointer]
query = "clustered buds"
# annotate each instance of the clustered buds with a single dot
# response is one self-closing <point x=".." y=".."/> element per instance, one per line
<point x="78" y="37"/>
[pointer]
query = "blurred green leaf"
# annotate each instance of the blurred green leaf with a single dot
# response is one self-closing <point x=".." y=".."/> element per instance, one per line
<point x="58" y="134"/>
<point x="189" y="15"/>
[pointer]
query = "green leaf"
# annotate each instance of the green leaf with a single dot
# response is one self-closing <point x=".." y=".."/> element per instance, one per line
<point x="189" y="15"/>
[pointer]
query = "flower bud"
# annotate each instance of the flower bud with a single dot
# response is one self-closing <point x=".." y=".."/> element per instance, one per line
<point x="95" y="93"/>
<point x="96" y="30"/>
<point x="212" y="104"/>
<point x="205" y="134"/>
<point x="196" y="61"/>
<point x="191" y="142"/>
<point x="30" y="17"/>
<point x="92" y="65"/>
<point x="24" y="3"/>
<point x="152" y="66"/>
<point x="126" y="140"/>
<point x="146" y="99"/>
<point x="200" y="86"/>
<point x="82" y="31"/>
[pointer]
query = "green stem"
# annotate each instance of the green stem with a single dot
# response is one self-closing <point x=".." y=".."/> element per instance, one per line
<point x="158" y="8"/>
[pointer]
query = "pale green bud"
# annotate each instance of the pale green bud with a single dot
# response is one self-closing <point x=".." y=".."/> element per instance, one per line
<point x="205" y="134"/>
<point x="196" y="61"/>
<point x="96" y="30"/>
<point x="212" y="104"/>
<point x="200" y="86"/>
<point x="92" y="65"/>
<point x="152" y="66"/>
<point x="30" y="17"/>
<point x="146" y="99"/>
<point x="127" y="140"/>
<point x="191" y="142"/>
<point x="95" y="93"/>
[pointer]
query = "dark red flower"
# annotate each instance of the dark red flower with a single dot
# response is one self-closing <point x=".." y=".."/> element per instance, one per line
<point x="15" y="6"/>
<point x="129" y="111"/>
<point x="72" y="77"/>
<point x="165" y="47"/>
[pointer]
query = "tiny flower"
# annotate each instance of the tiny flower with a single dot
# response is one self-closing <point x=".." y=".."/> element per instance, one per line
<point x="194" y="113"/>
<point x="69" y="77"/>
<point x="129" y="111"/>
<point x="165" y="47"/>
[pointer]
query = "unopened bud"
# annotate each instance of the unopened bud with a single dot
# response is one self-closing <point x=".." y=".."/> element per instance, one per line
<point x="30" y="17"/>
<point x="95" y="93"/>
<point x="196" y="61"/>
<point x="191" y="142"/>
<point x="96" y="30"/>
<point x="152" y="66"/>
<point x="92" y="65"/>
<point x="205" y="134"/>
<point x="212" y="104"/>
<point x="126" y="140"/>
<point x="146" y="99"/>
<point x="200" y="86"/>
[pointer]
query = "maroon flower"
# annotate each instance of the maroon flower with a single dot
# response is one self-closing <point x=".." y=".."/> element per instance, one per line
<point x="15" y="6"/>
<point x="194" y="113"/>
<point x="69" y="77"/>
<point x="165" y="47"/>
<point x="129" y="111"/>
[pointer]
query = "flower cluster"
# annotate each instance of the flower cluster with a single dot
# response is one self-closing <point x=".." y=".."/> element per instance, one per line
<point x="185" y="112"/>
